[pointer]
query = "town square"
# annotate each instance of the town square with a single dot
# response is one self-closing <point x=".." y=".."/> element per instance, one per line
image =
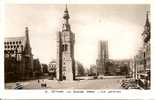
<point x="73" y="46"/>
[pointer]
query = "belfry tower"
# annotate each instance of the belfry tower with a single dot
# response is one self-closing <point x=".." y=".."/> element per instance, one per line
<point x="65" y="50"/>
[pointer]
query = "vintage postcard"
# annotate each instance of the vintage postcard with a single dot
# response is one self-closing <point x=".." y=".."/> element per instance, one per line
<point x="77" y="48"/>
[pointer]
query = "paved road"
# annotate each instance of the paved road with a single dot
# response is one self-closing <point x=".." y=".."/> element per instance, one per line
<point x="89" y="83"/>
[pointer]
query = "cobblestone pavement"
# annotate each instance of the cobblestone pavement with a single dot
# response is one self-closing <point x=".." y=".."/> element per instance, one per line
<point x="88" y="83"/>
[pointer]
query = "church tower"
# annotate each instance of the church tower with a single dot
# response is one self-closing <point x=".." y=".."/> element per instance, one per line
<point x="146" y="43"/>
<point x="27" y="54"/>
<point x="65" y="50"/>
<point x="103" y="57"/>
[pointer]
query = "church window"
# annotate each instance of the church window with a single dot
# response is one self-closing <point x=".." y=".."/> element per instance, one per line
<point x="16" y="51"/>
<point x="66" y="47"/>
<point x="11" y="51"/>
<point x="22" y="47"/>
<point x="19" y="42"/>
<point x="13" y="42"/>
<point x="64" y="68"/>
<point x="5" y="51"/>
<point x="16" y="42"/>
<point x="63" y="47"/>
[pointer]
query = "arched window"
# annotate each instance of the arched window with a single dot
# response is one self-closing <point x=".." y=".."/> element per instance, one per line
<point x="20" y="42"/>
<point x="64" y="47"/>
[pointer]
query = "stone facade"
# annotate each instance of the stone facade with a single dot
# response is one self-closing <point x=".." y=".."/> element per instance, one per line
<point x="102" y="57"/>
<point x="65" y="51"/>
<point x="18" y="57"/>
<point x="142" y="61"/>
<point x="146" y="44"/>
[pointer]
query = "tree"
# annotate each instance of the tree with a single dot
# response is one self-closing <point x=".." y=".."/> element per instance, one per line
<point x="80" y="69"/>
<point x="36" y="67"/>
<point x="124" y="69"/>
<point x="45" y="68"/>
<point x="93" y="70"/>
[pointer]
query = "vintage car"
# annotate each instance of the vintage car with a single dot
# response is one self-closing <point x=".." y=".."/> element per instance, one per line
<point x="18" y="86"/>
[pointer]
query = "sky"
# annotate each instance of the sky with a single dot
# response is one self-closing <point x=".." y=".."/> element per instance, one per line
<point x="120" y="25"/>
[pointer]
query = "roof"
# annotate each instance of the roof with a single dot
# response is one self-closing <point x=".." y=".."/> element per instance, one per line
<point x="13" y="43"/>
<point x="53" y="61"/>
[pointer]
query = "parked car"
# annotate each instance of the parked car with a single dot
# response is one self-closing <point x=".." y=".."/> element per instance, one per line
<point x="18" y="86"/>
<point x="129" y="84"/>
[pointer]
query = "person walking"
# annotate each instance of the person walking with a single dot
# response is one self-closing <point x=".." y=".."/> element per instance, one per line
<point x="38" y="81"/>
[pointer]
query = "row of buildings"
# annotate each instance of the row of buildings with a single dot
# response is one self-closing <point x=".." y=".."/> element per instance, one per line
<point x="18" y="58"/>
<point x="20" y="65"/>
<point x="106" y="66"/>
<point x="19" y="62"/>
<point x="138" y="67"/>
<point x="142" y="60"/>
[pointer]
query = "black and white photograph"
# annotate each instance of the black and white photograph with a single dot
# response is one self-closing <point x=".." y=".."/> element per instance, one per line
<point x="73" y="49"/>
<point x="77" y="46"/>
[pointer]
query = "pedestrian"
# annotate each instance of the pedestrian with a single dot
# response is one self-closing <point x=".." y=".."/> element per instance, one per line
<point x="38" y="81"/>
<point x="45" y="84"/>
<point x="42" y="83"/>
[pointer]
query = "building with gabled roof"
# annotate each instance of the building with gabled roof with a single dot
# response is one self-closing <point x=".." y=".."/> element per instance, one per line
<point x="18" y="57"/>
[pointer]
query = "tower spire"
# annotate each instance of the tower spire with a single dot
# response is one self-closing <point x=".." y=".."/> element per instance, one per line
<point x="66" y="17"/>
<point x="66" y="8"/>
<point x="147" y="23"/>
<point x="66" y="14"/>
<point x="27" y="36"/>
<point x="27" y="33"/>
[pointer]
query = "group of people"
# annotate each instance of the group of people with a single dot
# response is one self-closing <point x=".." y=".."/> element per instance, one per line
<point x="42" y="83"/>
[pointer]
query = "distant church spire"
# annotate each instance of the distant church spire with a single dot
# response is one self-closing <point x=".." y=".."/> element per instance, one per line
<point x="66" y="26"/>
<point x="147" y="23"/>
<point x="147" y="34"/>
<point x="27" y="33"/>
<point x="27" y="37"/>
